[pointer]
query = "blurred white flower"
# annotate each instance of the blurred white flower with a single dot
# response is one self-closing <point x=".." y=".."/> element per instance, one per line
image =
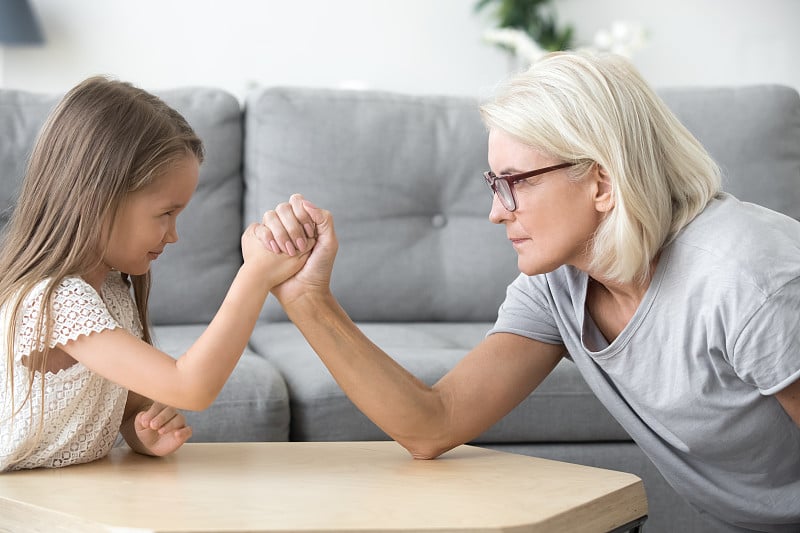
<point x="623" y="38"/>
<point x="517" y="41"/>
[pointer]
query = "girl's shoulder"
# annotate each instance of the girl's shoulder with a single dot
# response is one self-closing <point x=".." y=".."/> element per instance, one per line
<point x="73" y="287"/>
<point x="79" y="290"/>
<point x="77" y="309"/>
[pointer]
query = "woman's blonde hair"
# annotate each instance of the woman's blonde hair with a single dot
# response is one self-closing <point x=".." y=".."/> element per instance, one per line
<point x="105" y="139"/>
<point x="586" y="108"/>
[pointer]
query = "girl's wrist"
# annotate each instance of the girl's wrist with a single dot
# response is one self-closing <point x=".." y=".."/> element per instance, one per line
<point x="256" y="277"/>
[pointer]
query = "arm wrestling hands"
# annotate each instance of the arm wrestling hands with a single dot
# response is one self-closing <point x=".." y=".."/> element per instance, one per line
<point x="288" y="228"/>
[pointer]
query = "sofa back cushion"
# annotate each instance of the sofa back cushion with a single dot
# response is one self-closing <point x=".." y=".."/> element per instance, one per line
<point x="21" y="116"/>
<point x="402" y="177"/>
<point x="191" y="278"/>
<point x="753" y="133"/>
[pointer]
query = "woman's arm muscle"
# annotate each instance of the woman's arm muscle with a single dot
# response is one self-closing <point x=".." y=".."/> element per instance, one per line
<point x="494" y="377"/>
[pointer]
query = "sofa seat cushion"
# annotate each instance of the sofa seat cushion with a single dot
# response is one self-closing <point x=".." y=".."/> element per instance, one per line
<point x="561" y="409"/>
<point x="252" y="406"/>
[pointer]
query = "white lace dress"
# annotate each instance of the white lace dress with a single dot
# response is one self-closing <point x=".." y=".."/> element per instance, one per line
<point x="83" y="411"/>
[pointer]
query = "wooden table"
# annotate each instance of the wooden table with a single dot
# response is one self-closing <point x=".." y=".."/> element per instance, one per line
<point x="319" y="486"/>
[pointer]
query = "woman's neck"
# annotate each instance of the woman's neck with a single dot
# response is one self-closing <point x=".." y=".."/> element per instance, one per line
<point x="612" y="304"/>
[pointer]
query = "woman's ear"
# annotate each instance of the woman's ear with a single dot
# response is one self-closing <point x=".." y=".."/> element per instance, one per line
<point x="604" y="189"/>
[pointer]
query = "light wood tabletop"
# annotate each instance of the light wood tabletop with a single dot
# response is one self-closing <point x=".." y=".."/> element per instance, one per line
<point x="318" y="487"/>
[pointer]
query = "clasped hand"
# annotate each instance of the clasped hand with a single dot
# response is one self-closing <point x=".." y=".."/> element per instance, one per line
<point x="288" y="229"/>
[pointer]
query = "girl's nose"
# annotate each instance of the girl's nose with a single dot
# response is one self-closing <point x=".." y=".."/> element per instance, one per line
<point x="172" y="233"/>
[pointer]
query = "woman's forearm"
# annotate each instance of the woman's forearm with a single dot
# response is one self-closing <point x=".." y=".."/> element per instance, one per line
<point x="404" y="407"/>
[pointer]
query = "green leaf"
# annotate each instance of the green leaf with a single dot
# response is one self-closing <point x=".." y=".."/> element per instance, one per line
<point x="531" y="17"/>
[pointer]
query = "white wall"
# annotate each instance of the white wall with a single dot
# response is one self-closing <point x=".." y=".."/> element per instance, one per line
<point x="704" y="42"/>
<point x="415" y="46"/>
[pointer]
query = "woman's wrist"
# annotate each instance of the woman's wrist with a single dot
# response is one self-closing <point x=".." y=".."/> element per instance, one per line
<point x="309" y="302"/>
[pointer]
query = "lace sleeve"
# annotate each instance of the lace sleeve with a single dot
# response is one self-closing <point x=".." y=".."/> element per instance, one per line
<point x="77" y="310"/>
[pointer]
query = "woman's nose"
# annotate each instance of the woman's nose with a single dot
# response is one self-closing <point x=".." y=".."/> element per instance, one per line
<point x="498" y="213"/>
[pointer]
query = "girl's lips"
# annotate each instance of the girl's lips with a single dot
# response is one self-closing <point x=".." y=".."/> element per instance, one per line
<point x="153" y="255"/>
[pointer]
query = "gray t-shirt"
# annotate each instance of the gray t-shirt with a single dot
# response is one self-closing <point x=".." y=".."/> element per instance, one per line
<point x="691" y="376"/>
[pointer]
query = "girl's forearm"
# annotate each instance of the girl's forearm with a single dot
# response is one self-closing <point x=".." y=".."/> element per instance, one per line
<point x="212" y="358"/>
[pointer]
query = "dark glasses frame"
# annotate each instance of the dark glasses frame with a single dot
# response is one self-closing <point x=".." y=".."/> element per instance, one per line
<point x="503" y="186"/>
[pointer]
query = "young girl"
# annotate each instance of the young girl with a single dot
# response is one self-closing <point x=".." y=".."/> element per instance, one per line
<point x="111" y="170"/>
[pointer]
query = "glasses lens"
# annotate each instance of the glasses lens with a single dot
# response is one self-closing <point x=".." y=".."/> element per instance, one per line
<point x="503" y="190"/>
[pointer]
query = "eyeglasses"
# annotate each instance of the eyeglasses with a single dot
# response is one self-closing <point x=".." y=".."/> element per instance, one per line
<point x="503" y="186"/>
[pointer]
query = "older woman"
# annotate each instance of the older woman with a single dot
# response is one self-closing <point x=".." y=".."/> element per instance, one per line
<point x="678" y="303"/>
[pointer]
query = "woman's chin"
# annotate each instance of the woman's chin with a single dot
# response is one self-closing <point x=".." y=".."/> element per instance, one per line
<point x="530" y="269"/>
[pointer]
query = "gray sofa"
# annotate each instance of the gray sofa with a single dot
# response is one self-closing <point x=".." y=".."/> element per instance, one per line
<point x="420" y="267"/>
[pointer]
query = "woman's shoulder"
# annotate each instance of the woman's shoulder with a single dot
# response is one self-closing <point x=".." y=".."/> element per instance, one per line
<point x="741" y="240"/>
<point x="556" y="289"/>
<point x="727" y="212"/>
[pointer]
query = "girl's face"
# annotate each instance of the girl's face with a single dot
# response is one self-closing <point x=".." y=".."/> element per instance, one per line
<point x="145" y="224"/>
<point x="555" y="217"/>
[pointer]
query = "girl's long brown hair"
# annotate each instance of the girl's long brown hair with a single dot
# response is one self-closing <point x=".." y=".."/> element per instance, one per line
<point x="105" y="139"/>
